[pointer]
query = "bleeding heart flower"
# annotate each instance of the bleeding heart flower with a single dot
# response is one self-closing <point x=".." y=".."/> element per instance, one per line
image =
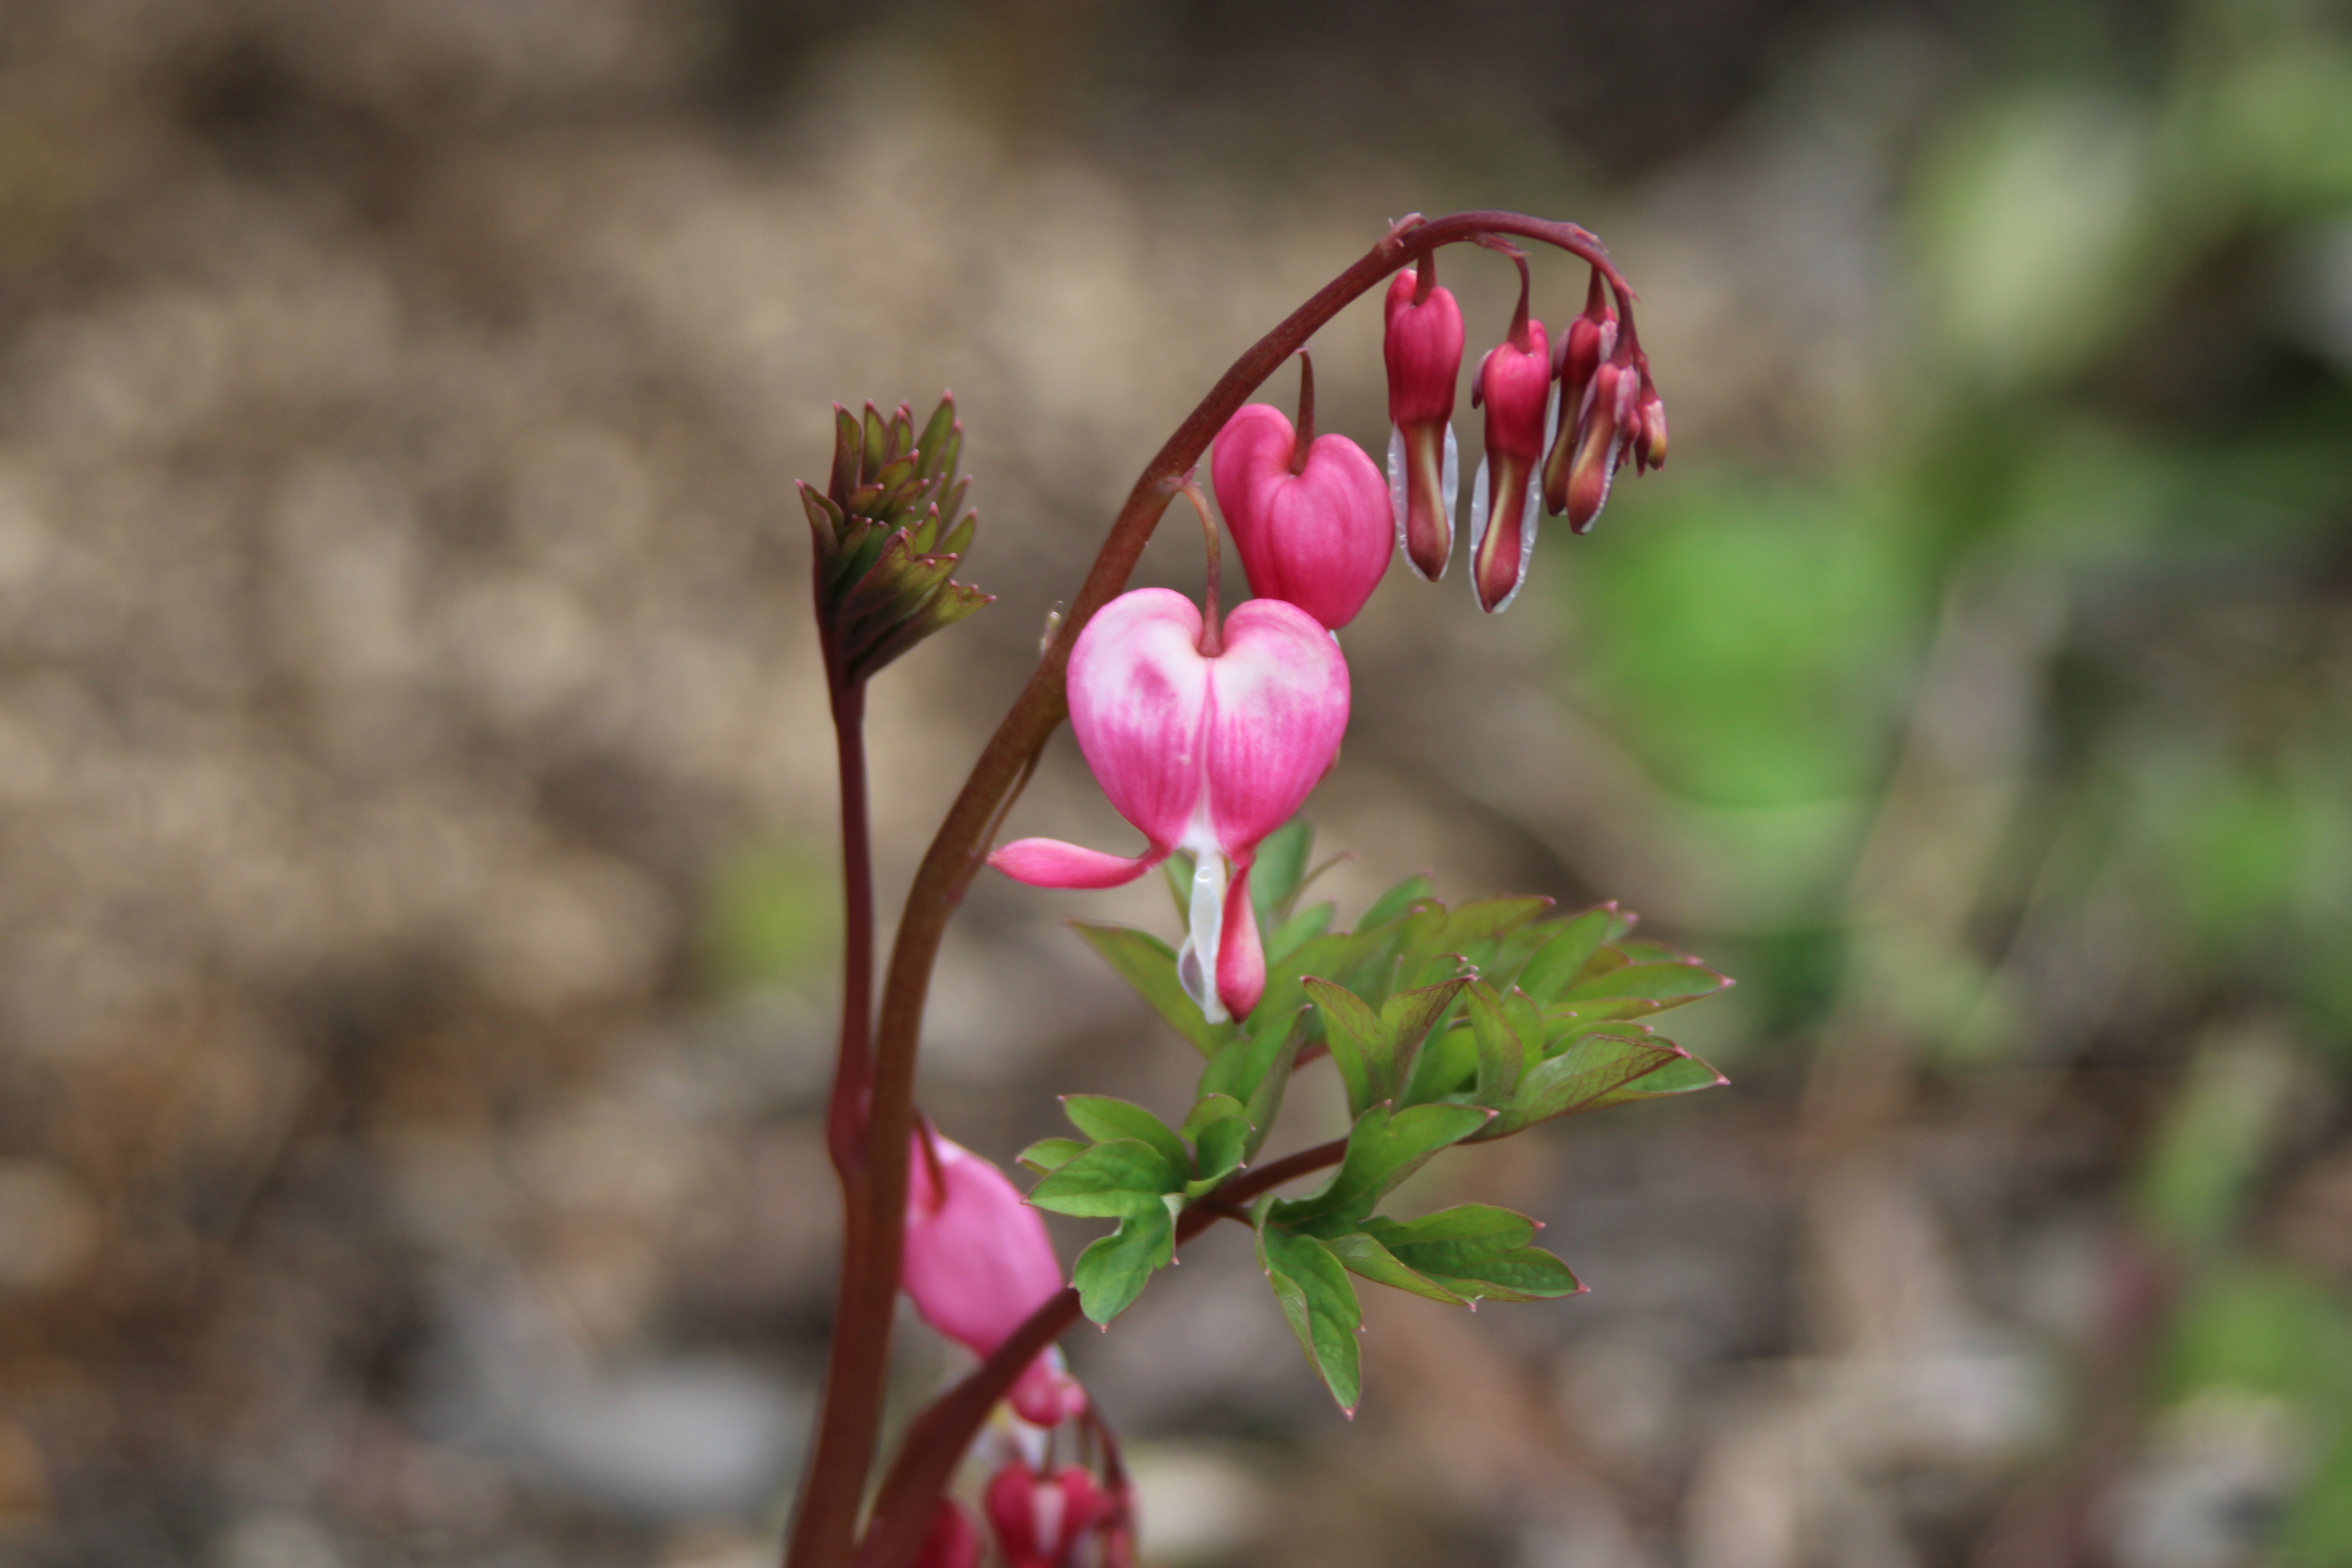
<point x="1423" y="351"/>
<point x="1312" y="525"/>
<point x="1514" y="381"/>
<point x="1042" y="1521"/>
<point x="978" y="1262"/>
<point x="1206" y="746"/>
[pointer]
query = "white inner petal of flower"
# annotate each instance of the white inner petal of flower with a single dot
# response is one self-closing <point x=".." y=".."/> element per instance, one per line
<point x="1397" y="484"/>
<point x="1450" y="480"/>
<point x="1196" y="961"/>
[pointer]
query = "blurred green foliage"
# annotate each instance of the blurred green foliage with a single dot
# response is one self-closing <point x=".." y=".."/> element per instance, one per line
<point x="773" y="920"/>
<point x="2121" y="458"/>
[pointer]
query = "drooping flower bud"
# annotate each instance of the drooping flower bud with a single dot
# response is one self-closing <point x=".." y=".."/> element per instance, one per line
<point x="978" y="1262"/>
<point x="1513" y="382"/>
<point x="1313" y="527"/>
<point x="1609" y="426"/>
<point x="1042" y="1522"/>
<point x="1423" y="351"/>
<point x="1589" y="339"/>
<point x="1650" y="442"/>
<point x="1208" y="753"/>
<point x="954" y="1542"/>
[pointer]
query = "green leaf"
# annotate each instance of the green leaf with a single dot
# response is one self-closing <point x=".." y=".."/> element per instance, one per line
<point x="1396" y="901"/>
<point x="1503" y="1050"/>
<point x="1105" y="1119"/>
<point x="1384" y="1147"/>
<point x="1220" y="1129"/>
<point x="1353" y="1032"/>
<point x="1224" y="1144"/>
<point x="1320" y="1306"/>
<point x="1438" y="939"/>
<point x="1281" y="863"/>
<point x="1113" y="1269"/>
<point x="1374" y="1052"/>
<point x="1446" y="1067"/>
<point x="1476" y="1251"/>
<point x="1109" y="1180"/>
<point x="1363" y="1256"/>
<point x="1299" y="928"/>
<point x="1555" y="966"/>
<point x="1212" y="1107"/>
<point x="1598" y="1071"/>
<point x="1050" y="1154"/>
<point x="1285" y="980"/>
<point x="1669" y="984"/>
<point x="1149" y="964"/>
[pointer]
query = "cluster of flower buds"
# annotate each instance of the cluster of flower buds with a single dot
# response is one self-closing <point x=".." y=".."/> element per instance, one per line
<point x="1206" y="739"/>
<point x="1609" y="410"/>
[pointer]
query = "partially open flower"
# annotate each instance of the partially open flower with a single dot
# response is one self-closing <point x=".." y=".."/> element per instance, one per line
<point x="978" y="1262"/>
<point x="1313" y="527"/>
<point x="1423" y="351"/>
<point x="1203" y="751"/>
<point x="1043" y="1521"/>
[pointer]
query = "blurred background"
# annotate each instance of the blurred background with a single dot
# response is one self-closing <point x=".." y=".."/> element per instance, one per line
<point x="416" y="877"/>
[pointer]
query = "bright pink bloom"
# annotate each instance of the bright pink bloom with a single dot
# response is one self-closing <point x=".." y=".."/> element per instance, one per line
<point x="1514" y="381"/>
<point x="954" y="1542"/>
<point x="1042" y="1522"/>
<point x="1314" y="534"/>
<point x="1423" y="351"/>
<point x="978" y="1262"/>
<point x="1208" y="753"/>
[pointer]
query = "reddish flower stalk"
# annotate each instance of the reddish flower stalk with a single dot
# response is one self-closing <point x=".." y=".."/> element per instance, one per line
<point x="875" y="1198"/>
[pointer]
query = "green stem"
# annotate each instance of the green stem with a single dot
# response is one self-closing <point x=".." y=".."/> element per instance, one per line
<point x="825" y="1526"/>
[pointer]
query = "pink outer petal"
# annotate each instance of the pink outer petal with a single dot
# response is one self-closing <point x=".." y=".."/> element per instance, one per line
<point x="1241" y="959"/>
<point x="1516" y="386"/>
<point x="1319" y="539"/>
<point x="1256" y="445"/>
<point x="1422" y="348"/>
<point x="1280" y="708"/>
<point x="1139" y="688"/>
<point x="1050" y="863"/>
<point x="1330" y="532"/>
<point x="978" y="1260"/>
